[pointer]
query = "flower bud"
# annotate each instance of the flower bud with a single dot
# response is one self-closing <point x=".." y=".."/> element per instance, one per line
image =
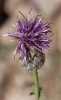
<point x="35" y="62"/>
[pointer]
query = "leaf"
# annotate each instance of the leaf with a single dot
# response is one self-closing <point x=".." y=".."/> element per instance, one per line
<point x="40" y="88"/>
<point x="32" y="93"/>
<point x="42" y="95"/>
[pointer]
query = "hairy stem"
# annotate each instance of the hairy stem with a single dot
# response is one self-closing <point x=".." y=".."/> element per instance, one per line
<point x="35" y="74"/>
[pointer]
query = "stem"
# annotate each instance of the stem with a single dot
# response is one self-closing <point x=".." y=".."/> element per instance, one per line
<point x="35" y="74"/>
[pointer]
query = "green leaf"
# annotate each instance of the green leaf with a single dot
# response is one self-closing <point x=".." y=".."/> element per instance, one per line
<point x="32" y="93"/>
<point x="40" y="88"/>
<point x="42" y="95"/>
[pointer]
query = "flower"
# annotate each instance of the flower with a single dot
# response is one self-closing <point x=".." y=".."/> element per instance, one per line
<point x="32" y="35"/>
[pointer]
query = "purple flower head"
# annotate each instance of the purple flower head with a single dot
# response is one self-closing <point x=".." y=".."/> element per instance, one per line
<point x="34" y="33"/>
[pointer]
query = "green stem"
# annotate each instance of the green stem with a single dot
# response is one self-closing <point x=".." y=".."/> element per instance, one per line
<point x="35" y="74"/>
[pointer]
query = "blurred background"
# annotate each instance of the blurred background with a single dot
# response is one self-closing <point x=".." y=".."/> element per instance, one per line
<point x="15" y="82"/>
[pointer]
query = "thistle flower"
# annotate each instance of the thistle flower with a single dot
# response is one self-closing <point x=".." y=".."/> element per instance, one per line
<point x="33" y="37"/>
